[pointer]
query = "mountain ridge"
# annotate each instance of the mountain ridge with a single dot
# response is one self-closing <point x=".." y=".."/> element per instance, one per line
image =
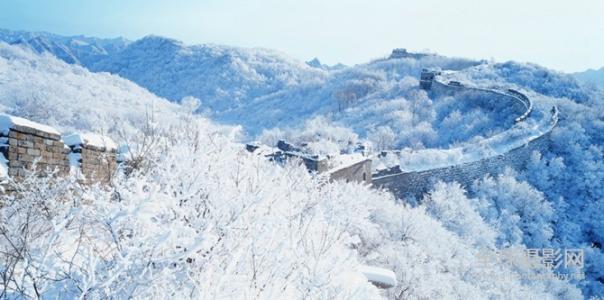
<point x="591" y="76"/>
<point x="78" y="49"/>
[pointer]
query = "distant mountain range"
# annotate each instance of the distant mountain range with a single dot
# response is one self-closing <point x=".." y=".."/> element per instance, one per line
<point x="316" y="63"/>
<point x="79" y="49"/>
<point x="591" y="76"/>
<point x="262" y="89"/>
<point x="222" y="77"/>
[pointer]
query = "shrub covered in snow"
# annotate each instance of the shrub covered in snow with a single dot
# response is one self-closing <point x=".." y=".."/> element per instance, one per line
<point x="226" y="223"/>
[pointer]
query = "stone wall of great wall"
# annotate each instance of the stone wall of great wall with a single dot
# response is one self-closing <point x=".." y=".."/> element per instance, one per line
<point x="415" y="183"/>
<point x="352" y="167"/>
<point x="97" y="164"/>
<point x="358" y="172"/>
<point x="26" y="145"/>
<point x="510" y="101"/>
<point x="23" y="146"/>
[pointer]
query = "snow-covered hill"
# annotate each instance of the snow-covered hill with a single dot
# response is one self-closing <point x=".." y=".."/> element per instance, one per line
<point x="221" y="77"/>
<point x="591" y="76"/>
<point x="205" y="218"/>
<point x="71" y="49"/>
<point x="69" y="97"/>
<point x="262" y="89"/>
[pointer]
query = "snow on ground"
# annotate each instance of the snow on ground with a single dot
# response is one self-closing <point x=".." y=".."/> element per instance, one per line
<point x="432" y="248"/>
<point x="380" y="276"/>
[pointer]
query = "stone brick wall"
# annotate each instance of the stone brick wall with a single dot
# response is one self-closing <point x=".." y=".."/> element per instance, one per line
<point x="96" y="164"/>
<point x="25" y="145"/>
<point x="314" y="165"/>
<point x="359" y="172"/>
<point x="416" y="183"/>
<point x="511" y="103"/>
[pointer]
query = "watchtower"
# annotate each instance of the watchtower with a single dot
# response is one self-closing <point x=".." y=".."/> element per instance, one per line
<point x="426" y="79"/>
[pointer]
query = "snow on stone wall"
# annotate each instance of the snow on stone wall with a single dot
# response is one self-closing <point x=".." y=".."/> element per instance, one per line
<point x="415" y="183"/>
<point x="26" y="145"/>
<point x="95" y="155"/>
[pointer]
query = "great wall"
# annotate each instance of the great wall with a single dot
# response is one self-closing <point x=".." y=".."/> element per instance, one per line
<point x="93" y="158"/>
<point x="532" y="126"/>
<point x="26" y="146"/>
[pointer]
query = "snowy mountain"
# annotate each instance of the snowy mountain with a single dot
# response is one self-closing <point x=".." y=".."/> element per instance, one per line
<point x="42" y="44"/>
<point x="70" y="97"/>
<point x="71" y="49"/>
<point x="316" y="63"/>
<point x="221" y="77"/>
<point x="591" y="76"/>
<point x="261" y="89"/>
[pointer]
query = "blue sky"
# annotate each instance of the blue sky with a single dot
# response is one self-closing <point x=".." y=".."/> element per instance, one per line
<point x="562" y="35"/>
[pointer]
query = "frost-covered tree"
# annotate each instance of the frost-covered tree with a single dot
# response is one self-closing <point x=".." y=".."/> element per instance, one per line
<point x="382" y="137"/>
<point x="206" y="219"/>
<point x="448" y="203"/>
<point x="518" y="211"/>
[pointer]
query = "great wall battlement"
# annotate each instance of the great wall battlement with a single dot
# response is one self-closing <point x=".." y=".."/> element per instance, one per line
<point x="26" y="146"/>
<point x="533" y="123"/>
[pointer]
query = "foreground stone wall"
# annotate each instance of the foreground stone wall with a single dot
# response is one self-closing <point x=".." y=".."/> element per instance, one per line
<point x="96" y="164"/>
<point x="26" y="145"/>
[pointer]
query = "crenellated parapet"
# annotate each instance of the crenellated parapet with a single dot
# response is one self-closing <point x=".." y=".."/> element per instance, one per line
<point x="27" y="146"/>
<point x="94" y="155"/>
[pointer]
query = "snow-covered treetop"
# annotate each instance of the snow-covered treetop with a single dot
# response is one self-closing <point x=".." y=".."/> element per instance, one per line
<point x="70" y="98"/>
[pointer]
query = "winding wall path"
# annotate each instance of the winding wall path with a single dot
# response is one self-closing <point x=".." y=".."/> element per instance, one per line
<point x="419" y="170"/>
